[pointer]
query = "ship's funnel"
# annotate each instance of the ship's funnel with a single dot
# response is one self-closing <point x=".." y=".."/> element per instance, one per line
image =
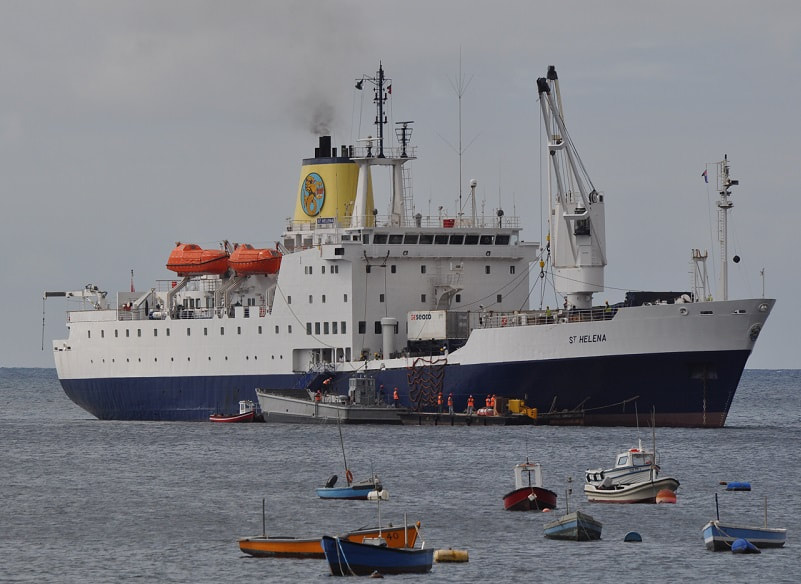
<point x="327" y="188"/>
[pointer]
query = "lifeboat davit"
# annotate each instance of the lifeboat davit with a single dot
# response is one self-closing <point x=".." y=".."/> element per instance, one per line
<point x="249" y="260"/>
<point x="189" y="259"/>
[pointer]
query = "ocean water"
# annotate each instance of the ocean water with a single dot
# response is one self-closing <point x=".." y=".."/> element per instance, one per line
<point x="90" y="501"/>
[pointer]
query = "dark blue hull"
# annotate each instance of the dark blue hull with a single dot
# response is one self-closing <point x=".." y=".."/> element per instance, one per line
<point x="683" y="389"/>
<point x="347" y="558"/>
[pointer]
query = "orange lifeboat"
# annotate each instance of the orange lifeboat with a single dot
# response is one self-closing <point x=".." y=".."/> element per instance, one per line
<point x="188" y="259"/>
<point x="249" y="260"/>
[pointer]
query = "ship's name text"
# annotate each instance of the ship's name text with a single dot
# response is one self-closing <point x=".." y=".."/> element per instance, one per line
<point x="587" y="338"/>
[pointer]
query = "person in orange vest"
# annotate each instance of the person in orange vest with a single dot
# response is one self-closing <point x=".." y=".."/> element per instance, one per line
<point x="439" y="402"/>
<point x="450" y="403"/>
<point x="396" y="397"/>
<point x="470" y="404"/>
<point x="488" y="401"/>
<point x="492" y="404"/>
<point x="318" y="396"/>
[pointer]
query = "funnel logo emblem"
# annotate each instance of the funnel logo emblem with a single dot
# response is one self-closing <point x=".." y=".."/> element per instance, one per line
<point x="312" y="194"/>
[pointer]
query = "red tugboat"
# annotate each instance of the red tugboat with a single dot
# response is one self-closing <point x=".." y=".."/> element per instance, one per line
<point x="529" y="494"/>
<point x="247" y="413"/>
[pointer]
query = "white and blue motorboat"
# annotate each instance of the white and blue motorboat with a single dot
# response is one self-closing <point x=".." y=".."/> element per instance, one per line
<point x="635" y="465"/>
<point x="634" y="479"/>
<point x="357" y="491"/>
<point x="370" y="488"/>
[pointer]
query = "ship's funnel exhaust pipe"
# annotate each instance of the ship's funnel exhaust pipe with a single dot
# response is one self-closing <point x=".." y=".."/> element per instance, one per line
<point x="324" y="149"/>
<point x="388" y="334"/>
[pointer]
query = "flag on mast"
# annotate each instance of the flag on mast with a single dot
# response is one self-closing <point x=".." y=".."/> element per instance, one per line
<point x="706" y="178"/>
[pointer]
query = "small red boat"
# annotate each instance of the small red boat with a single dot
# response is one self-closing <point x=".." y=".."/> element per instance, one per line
<point x="529" y="495"/>
<point x="189" y="259"/>
<point x="249" y="260"/>
<point x="247" y="413"/>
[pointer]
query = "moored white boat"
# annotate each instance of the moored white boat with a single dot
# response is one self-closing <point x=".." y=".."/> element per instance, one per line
<point x="634" y="479"/>
<point x="642" y="492"/>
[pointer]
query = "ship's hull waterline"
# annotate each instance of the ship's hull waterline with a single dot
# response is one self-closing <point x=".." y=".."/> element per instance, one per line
<point x="611" y="390"/>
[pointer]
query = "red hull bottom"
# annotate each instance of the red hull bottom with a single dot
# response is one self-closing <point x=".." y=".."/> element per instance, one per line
<point x="529" y="499"/>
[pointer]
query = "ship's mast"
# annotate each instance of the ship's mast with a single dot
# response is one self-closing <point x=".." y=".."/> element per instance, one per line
<point x="724" y="206"/>
<point x="396" y="159"/>
<point x="577" y="223"/>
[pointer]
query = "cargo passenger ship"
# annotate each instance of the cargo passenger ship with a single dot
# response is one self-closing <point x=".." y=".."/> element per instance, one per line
<point x="421" y="304"/>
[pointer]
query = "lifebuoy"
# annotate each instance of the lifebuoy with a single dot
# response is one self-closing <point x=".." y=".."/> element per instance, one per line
<point x="349" y="476"/>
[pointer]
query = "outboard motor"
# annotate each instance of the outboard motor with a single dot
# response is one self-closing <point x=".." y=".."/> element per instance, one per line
<point x="331" y="481"/>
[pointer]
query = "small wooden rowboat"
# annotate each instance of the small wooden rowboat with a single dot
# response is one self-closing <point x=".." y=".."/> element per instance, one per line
<point x="293" y="547"/>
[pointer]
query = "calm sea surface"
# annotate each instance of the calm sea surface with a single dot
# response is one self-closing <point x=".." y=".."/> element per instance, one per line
<point x="90" y="501"/>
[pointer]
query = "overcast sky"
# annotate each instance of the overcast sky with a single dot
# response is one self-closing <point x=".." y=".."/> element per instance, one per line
<point x="128" y="126"/>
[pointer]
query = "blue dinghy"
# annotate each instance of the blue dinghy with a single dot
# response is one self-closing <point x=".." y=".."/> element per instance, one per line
<point x="348" y="558"/>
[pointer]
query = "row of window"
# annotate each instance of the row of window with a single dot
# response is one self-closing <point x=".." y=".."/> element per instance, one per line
<point x="326" y="328"/>
<point x="311" y="299"/>
<point x="172" y="359"/>
<point x="441" y="238"/>
<point x="188" y="331"/>
<point x="308" y="270"/>
<point x="394" y="269"/>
